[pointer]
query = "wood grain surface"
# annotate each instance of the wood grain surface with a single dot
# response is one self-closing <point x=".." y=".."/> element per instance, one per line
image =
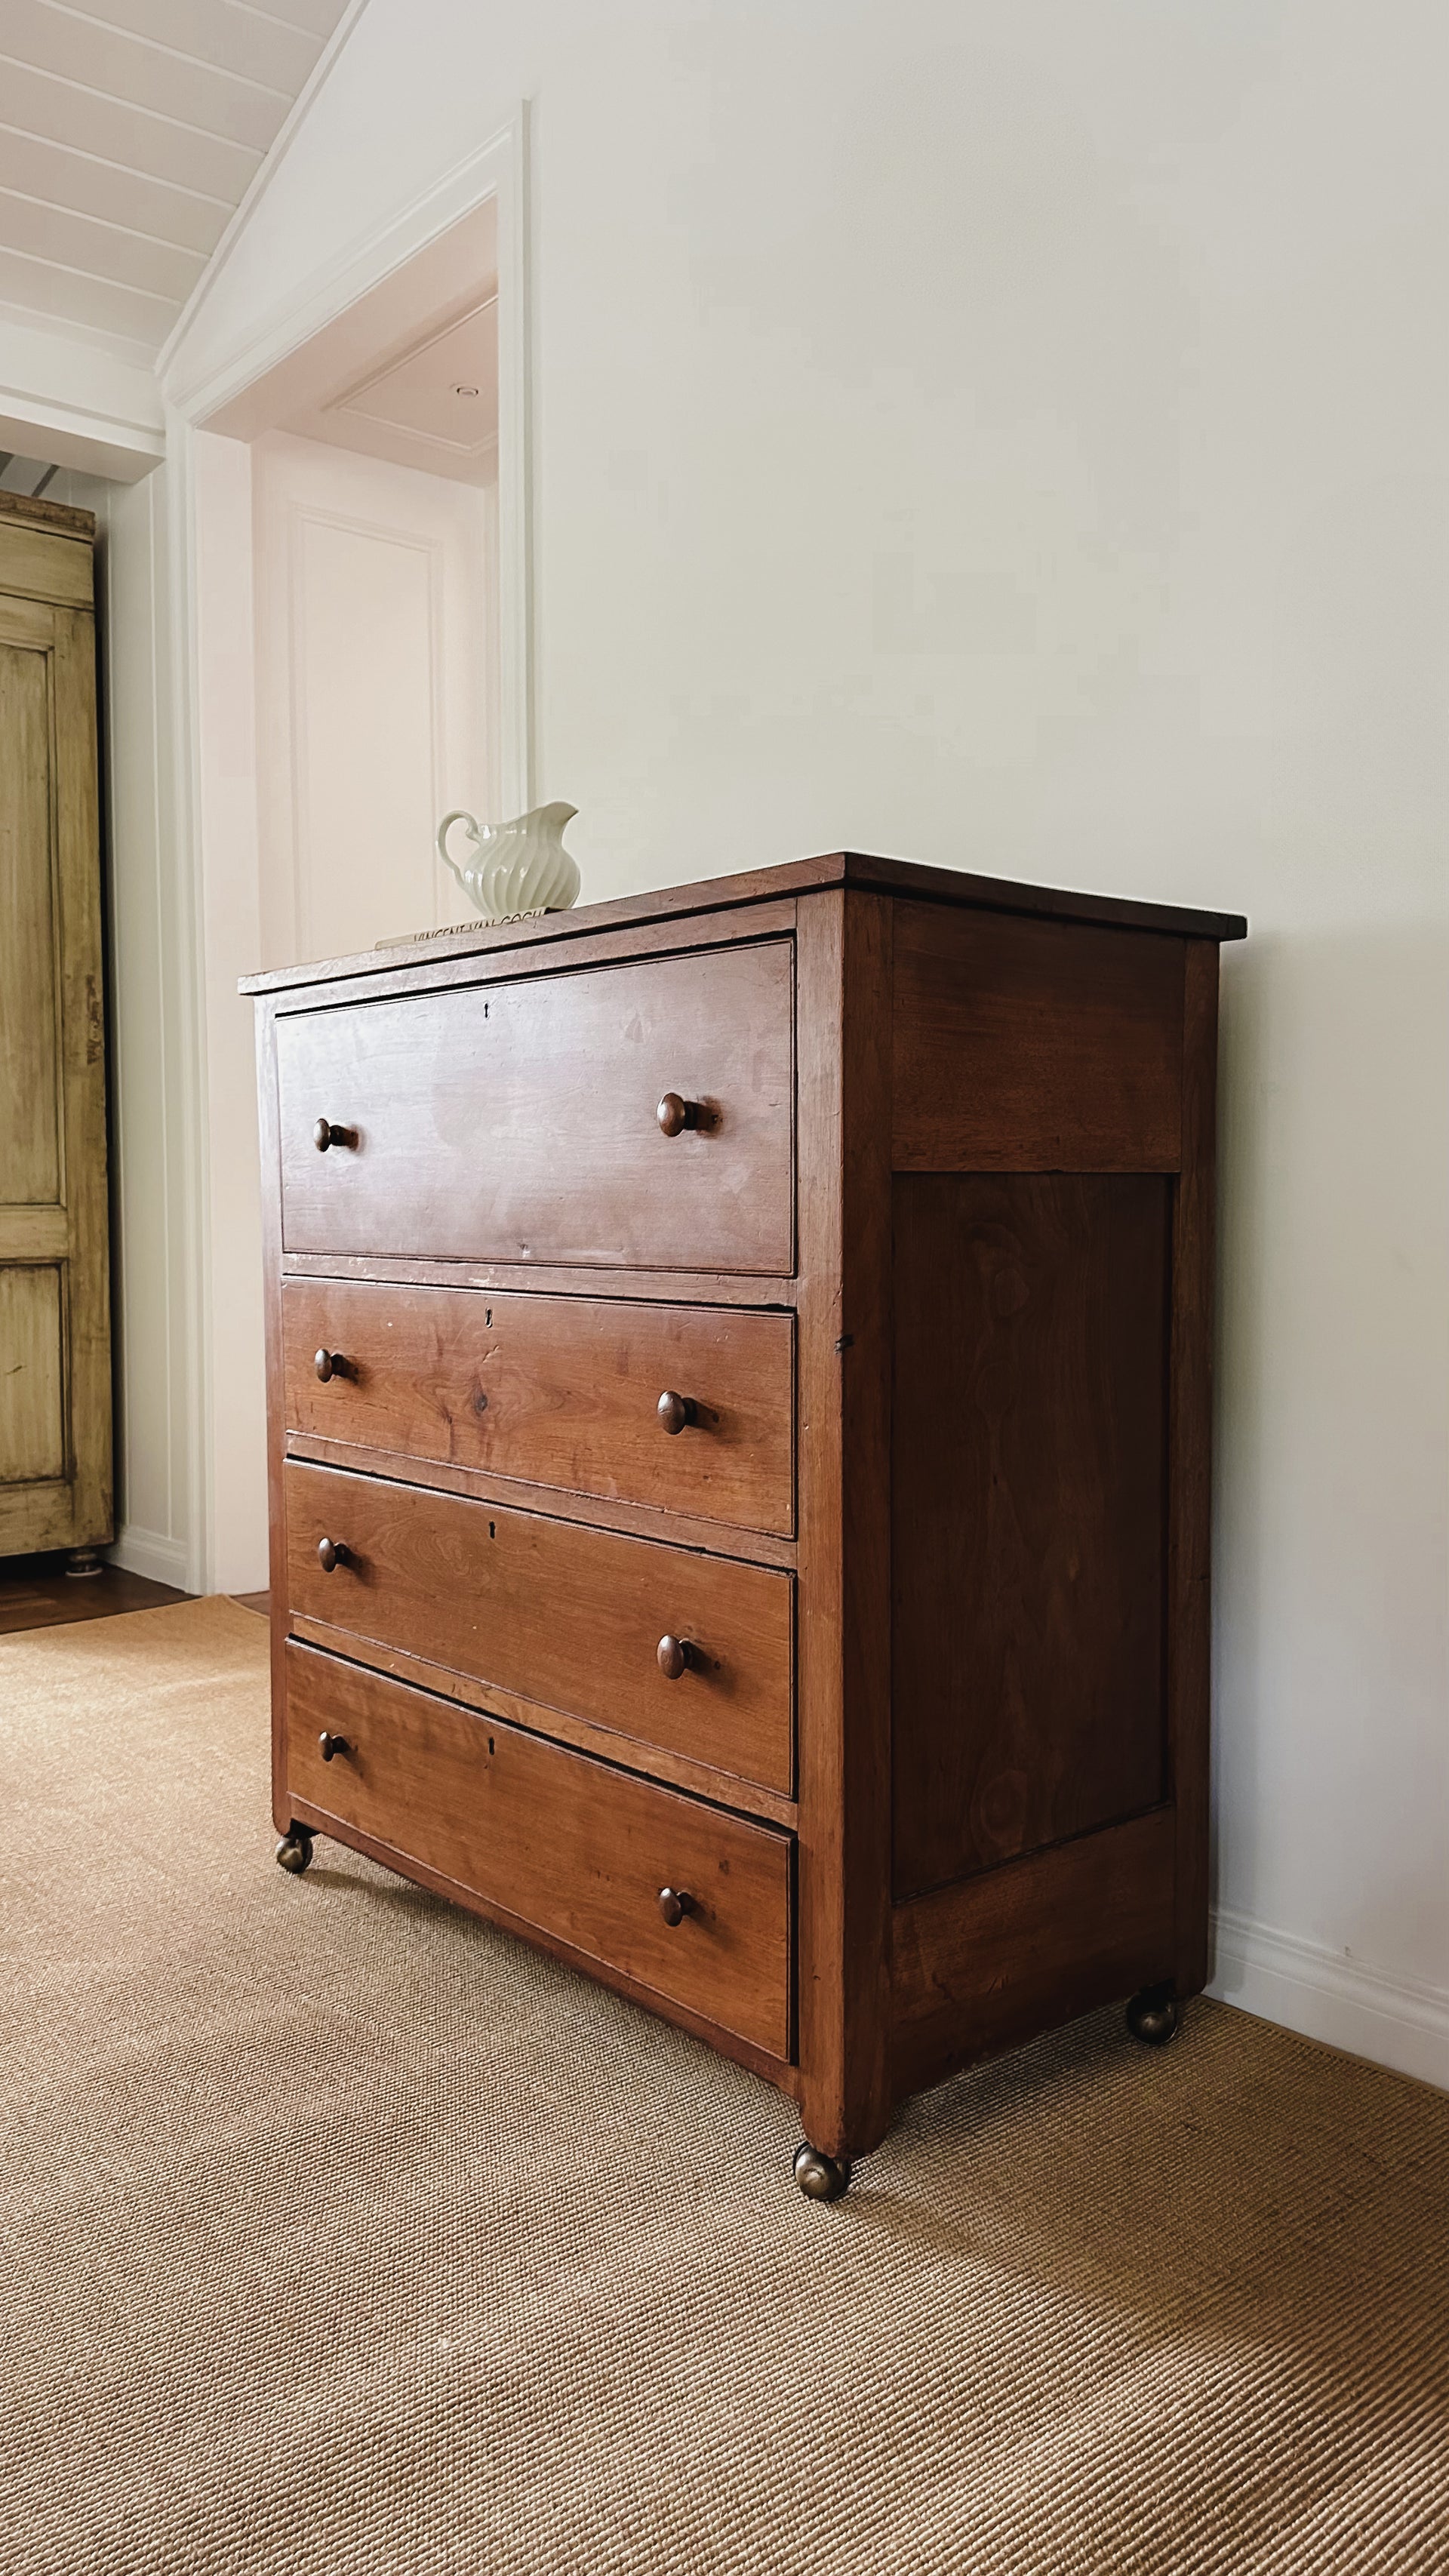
<point x="983" y="1965"/>
<point x="562" y="1615"/>
<point x="554" y="1391"/>
<point x="518" y="1123"/>
<point x="1029" y="1464"/>
<point x="1189" y="1505"/>
<point x="562" y="1842"/>
<point x="1032" y="1046"/>
<point x="697" y="910"/>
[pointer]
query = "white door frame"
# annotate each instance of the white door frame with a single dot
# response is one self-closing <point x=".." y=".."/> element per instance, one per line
<point x="195" y="395"/>
<point x="497" y="169"/>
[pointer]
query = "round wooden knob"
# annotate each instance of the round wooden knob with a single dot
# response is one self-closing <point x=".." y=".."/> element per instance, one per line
<point x="674" y="1656"/>
<point x="324" y="1134"/>
<point x="331" y="1553"/>
<point x="330" y="1364"/>
<point x="674" y="1114"/>
<point x="674" y="1905"/>
<point x="675" y="1411"/>
<point x="332" y="1745"/>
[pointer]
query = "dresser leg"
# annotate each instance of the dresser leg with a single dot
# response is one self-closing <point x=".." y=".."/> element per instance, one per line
<point x="295" y="1849"/>
<point x="821" y="2177"/>
<point x="1152" y="2016"/>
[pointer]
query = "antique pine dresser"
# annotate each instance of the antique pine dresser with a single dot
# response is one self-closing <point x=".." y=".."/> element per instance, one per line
<point x="738" y="1367"/>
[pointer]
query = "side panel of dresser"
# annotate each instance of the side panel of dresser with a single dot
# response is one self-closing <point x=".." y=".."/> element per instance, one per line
<point x="1053" y="1153"/>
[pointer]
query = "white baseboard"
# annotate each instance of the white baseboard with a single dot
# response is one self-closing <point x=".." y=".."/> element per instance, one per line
<point x="1400" y="2022"/>
<point x="143" y="1551"/>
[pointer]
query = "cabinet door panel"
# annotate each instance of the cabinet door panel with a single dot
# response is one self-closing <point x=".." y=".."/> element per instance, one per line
<point x="55" y="1385"/>
<point x="30" y="1127"/>
<point x="32" y="1381"/>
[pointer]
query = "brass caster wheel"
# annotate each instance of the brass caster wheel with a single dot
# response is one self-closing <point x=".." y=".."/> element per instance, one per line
<point x="294" y="1850"/>
<point x="821" y="2177"/>
<point x="1152" y="2016"/>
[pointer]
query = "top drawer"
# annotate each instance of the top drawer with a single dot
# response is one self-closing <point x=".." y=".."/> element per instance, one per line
<point x="517" y="1121"/>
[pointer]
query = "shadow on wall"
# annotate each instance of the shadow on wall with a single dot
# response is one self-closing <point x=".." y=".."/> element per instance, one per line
<point x="1331" y="1523"/>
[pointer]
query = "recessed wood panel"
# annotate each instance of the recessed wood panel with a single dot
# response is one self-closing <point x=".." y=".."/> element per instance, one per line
<point x="516" y="1121"/>
<point x="32" y="1376"/>
<point x="29" y="1127"/>
<point x="562" y="1843"/>
<point x="1034" y="1046"/>
<point x="1028" y="1516"/>
<point x="562" y="1616"/>
<point x="557" y="1391"/>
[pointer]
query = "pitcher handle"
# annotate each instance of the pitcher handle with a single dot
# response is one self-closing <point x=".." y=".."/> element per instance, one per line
<point x="458" y="815"/>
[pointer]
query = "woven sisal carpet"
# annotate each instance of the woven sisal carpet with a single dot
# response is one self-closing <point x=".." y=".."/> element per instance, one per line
<point x="344" y="2237"/>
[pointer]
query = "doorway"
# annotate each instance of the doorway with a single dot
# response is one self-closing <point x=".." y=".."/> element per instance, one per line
<point x="373" y="509"/>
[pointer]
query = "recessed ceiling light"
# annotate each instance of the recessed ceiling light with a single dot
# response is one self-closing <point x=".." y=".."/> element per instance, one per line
<point x="468" y="390"/>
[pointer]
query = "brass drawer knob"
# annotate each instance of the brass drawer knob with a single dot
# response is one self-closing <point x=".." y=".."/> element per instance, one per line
<point x="331" y="1553"/>
<point x="332" y="1745"/>
<point x="330" y="1364"/>
<point x="674" y="1656"/>
<point x="676" y="1411"/>
<point x="674" y="1114"/>
<point x="325" y="1134"/>
<point x="674" y="1905"/>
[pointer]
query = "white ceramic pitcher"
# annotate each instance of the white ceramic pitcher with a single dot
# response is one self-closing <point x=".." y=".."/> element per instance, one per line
<point x="520" y="866"/>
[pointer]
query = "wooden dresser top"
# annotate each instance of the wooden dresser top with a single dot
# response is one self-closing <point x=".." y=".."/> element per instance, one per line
<point x="794" y="878"/>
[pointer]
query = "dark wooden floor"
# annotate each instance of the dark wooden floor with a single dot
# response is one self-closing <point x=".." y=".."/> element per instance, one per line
<point x="37" y="1592"/>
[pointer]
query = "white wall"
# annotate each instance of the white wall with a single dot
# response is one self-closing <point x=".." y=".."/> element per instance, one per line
<point x="1015" y="436"/>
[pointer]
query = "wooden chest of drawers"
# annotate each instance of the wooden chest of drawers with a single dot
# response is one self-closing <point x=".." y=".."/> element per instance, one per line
<point x="739" y="1442"/>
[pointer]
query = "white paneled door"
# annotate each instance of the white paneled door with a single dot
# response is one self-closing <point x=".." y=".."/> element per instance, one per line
<point x="375" y="696"/>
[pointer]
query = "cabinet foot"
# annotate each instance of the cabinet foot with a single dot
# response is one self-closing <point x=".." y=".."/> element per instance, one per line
<point x="1152" y="2016"/>
<point x="294" y="1850"/>
<point x="820" y="2177"/>
<point x="84" y="1560"/>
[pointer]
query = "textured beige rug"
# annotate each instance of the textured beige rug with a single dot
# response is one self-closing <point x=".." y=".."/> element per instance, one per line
<point x="344" y="2237"/>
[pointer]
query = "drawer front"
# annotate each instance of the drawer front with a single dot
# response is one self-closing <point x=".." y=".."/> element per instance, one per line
<point x="560" y="1391"/>
<point x="517" y="1122"/>
<point x="564" y="1617"/>
<point x="566" y="1844"/>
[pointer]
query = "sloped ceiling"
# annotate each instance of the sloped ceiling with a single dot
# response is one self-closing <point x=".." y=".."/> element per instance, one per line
<point x="129" y="132"/>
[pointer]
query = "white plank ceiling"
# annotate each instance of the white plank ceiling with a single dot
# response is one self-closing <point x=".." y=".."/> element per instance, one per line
<point x="129" y="132"/>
